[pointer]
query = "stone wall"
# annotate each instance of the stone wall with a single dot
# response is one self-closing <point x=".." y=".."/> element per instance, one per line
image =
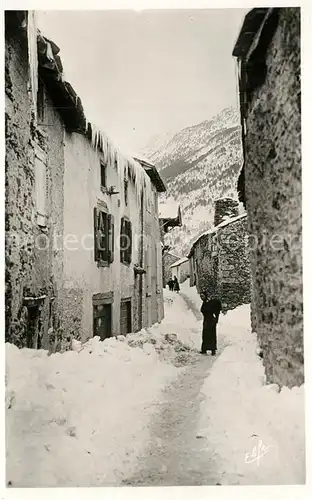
<point x="221" y="262"/>
<point x="206" y="265"/>
<point x="234" y="265"/>
<point x="32" y="281"/>
<point x="273" y="198"/>
<point x="52" y="131"/>
<point x="19" y="183"/>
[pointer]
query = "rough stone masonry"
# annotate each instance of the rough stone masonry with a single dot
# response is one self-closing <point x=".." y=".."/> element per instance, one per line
<point x="271" y="186"/>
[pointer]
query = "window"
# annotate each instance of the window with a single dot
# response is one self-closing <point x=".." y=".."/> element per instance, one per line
<point x="40" y="101"/>
<point x="41" y="187"/>
<point x="125" y="241"/>
<point x="103" y="176"/>
<point x="103" y="237"/>
<point x="126" y="191"/>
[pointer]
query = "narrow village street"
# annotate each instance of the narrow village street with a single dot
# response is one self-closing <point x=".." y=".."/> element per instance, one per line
<point x="167" y="449"/>
<point x="149" y="410"/>
<point x="174" y="454"/>
<point x="153" y="248"/>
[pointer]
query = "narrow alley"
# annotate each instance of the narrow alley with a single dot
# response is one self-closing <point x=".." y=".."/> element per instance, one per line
<point x="177" y="428"/>
<point x="162" y="449"/>
<point x="174" y="454"/>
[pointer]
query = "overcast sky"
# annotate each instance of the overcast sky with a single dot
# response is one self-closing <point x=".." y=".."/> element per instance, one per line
<point x="144" y="73"/>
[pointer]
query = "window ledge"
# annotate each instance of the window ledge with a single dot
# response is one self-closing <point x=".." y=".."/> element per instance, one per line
<point x="127" y="264"/>
<point x="102" y="263"/>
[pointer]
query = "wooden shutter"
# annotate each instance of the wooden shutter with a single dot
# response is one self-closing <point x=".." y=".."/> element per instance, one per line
<point x="129" y="241"/>
<point x="121" y="242"/>
<point x="104" y="237"/>
<point x="96" y="235"/>
<point x="41" y="187"/>
<point x="111" y="238"/>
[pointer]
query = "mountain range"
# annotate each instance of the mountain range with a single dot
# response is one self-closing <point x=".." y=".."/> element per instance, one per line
<point x="199" y="164"/>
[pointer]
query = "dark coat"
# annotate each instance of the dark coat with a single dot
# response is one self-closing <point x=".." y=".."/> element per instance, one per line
<point x="176" y="285"/>
<point x="170" y="284"/>
<point x="210" y="310"/>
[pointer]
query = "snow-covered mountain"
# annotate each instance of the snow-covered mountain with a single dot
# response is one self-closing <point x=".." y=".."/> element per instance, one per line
<point x="199" y="164"/>
<point x="156" y="144"/>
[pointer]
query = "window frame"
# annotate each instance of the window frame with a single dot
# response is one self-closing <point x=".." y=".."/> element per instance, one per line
<point x="103" y="166"/>
<point x="125" y="254"/>
<point x="107" y="258"/>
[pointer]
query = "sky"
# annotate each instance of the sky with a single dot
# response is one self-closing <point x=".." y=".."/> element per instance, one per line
<point x="140" y="74"/>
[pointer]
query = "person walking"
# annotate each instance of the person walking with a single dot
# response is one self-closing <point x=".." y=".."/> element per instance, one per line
<point x="170" y="284"/>
<point x="176" y="285"/>
<point x="210" y="310"/>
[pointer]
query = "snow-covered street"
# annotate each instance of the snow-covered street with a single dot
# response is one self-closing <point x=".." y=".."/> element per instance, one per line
<point x="148" y="409"/>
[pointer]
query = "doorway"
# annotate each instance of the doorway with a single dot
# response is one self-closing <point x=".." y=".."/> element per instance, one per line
<point x="33" y="339"/>
<point x="102" y="320"/>
<point x="125" y="317"/>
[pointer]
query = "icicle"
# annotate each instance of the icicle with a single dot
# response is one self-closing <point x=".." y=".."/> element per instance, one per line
<point x="32" y="55"/>
<point x="125" y="167"/>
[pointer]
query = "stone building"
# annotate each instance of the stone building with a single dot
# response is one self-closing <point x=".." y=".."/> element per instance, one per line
<point x="219" y="258"/>
<point x="34" y="167"/>
<point x="268" y="55"/>
<point x="83" y="249"/>
<point x="181" y="269"/>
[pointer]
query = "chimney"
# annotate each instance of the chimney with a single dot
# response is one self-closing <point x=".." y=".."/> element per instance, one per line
<point x="225" y="208"/>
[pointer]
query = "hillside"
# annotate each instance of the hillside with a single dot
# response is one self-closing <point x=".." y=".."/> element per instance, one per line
<point x="199" y="164"/>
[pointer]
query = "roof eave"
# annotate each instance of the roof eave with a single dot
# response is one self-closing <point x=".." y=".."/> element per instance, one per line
<point x="153" y="174"/>
<point x="250" y="27"/>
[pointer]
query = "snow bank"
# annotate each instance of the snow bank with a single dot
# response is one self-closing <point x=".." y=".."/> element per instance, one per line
<point x="191" y="293"/>
<point x="181" y="321"/>
<point x="257" y="432"/>
<point x="81" y="418"/>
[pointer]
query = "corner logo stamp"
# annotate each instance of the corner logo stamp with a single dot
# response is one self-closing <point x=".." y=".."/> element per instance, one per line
<point x="257" y="453"/>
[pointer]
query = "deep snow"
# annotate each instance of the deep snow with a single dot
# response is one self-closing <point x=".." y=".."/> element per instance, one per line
<point x="258" y="432"/>
<point x="84" y="418"/>
<point x="81" y="418"/>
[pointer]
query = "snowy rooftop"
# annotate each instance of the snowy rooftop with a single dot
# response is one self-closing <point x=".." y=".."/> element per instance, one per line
<point x="180" y="261"/>
<point x="222" y="224"/>
<point x="168" y="210"/>
<point x="232" y="219"/>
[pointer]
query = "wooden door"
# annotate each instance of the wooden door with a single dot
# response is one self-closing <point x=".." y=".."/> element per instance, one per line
<point x="125" y="317"/>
